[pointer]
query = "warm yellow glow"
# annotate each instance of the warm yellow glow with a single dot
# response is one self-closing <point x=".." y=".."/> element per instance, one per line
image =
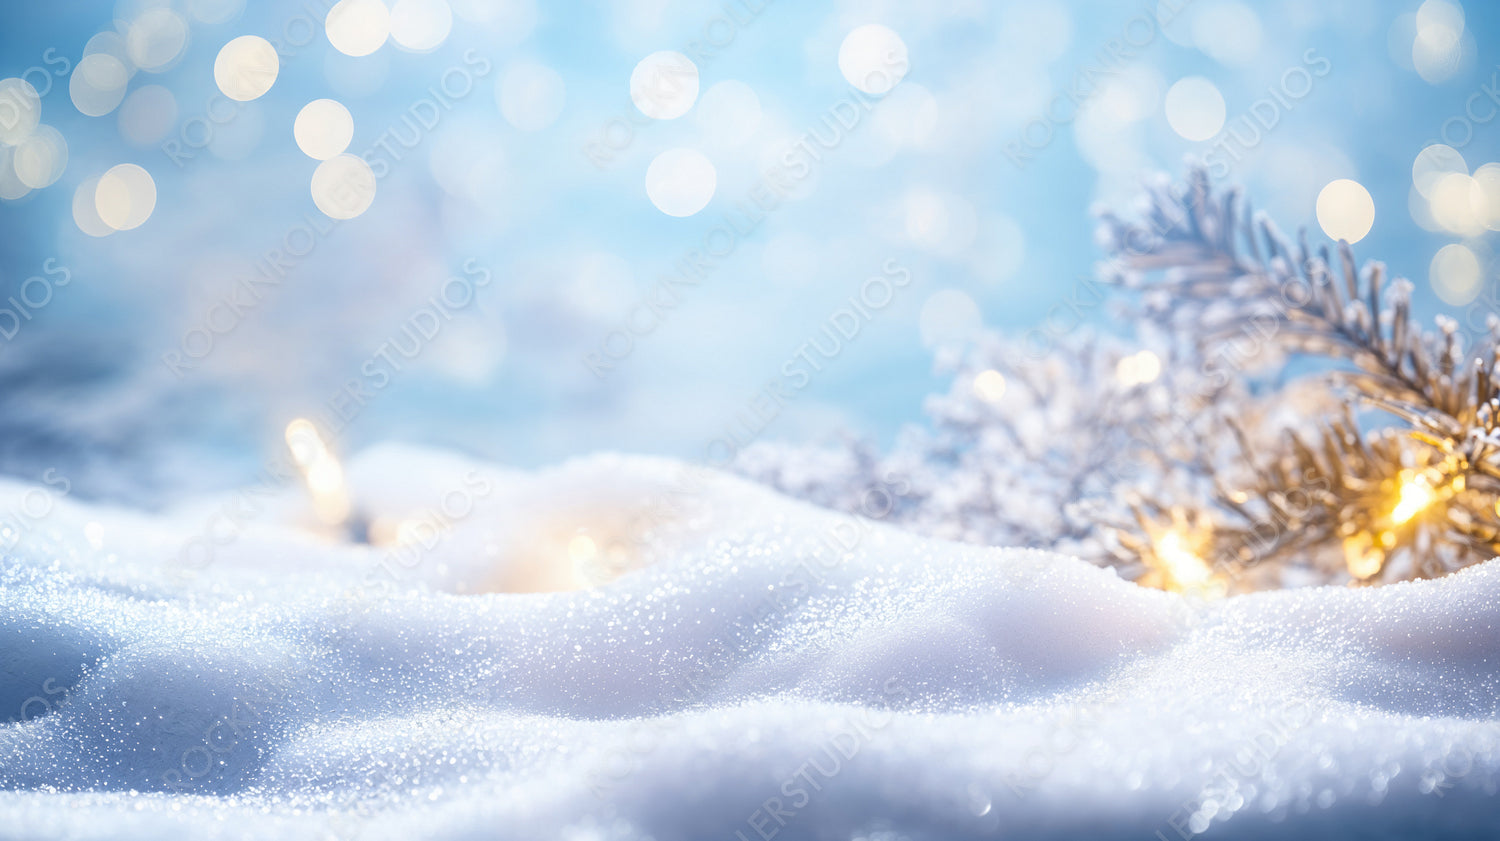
<point x="304" y="441"/>
<point x="325" y="477"/>
<point x="1176" y="560"/>
<point x="321" y="471"/>
<point x="396" y="532"/>
<point x="1179" y="562"/>
<point x="583" y="552"/>
<point x="582" y="549"/>
<point x="1363" y="558"/>
<point x="1416" y="495"/>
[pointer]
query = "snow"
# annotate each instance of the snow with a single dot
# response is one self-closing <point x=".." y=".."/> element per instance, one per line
<point x="761" y="669"/>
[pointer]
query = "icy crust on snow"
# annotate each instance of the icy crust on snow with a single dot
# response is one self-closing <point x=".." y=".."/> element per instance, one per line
<point x="762" y="669"/>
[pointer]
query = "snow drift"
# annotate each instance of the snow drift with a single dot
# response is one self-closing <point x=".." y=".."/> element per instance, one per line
<point x="748" y="667"/>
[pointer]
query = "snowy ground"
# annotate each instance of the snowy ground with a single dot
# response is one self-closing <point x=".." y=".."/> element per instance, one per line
<point x="767" y="670"/>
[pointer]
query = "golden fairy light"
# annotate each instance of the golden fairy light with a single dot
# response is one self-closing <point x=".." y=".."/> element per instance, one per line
<point x="1174" y="557"/>
<point x="1365" y="552"/>
<point x="1363" y="556"/>
<point x="321" y="471"/>
<point x="557" y="555"/>
<point x="1415" y="495"/>
<point x="1182" y="570"/>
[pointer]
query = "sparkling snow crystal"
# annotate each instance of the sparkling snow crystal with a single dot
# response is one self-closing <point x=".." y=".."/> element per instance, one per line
<point x="746" y="667"/>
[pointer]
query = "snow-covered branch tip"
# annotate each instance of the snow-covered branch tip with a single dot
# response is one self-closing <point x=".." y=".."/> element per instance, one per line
<point x="1413" y="496"/>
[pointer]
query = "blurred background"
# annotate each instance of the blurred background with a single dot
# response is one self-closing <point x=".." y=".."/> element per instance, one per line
<point x="529" y="230"/>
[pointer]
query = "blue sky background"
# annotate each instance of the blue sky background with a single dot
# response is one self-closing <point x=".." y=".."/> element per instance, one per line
<point x="923" y="179"/>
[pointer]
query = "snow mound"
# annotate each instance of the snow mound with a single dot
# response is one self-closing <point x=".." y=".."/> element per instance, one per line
<point x="747" y="667"/>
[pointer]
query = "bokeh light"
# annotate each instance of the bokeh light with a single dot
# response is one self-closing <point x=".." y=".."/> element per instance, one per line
<point x="1227" y="30"/>
<point x="323" y="128"/>
<point x="98" y="84"/>
<point x="1345" y="210"/>
<point x="12" y="187"/>
<point x="873" y="58"/>
<point x="680" y="182"/>
<point x="22" y="110"/>
<point x="41" y="158"/>
<point x="510" y="20"/>
<point x="1459" y="204"/>
<point x="1455" y="275"/>
<point x="1437" y="48"/>
<point x="1421" y="211"/>
<point x="125" y="197"/>
<point x="989" y="386"/>
<point x="321" y="471"/>
<point x="358" y="27"/>
<point x="113" y="44"/>
<point x="664" y="85"/>
<point x="508" y="171"/>
<point x="86" y="210"/>
<point x="246" y="68"/>
<point x="1488" y="178"/>
<point x="420" y="26"/>
<point x="1138" y="368"/>
<point x="343" y="186"/>
<point x="1195" y="108"/>
<point x="1434" y="162"/>
<point x="1441" y="19"/>
<point x="156" y="39"/>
